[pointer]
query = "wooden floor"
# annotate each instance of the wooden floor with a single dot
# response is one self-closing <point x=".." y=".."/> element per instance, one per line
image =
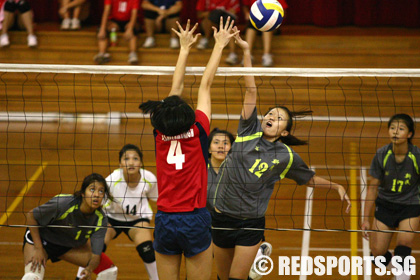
<point x="52" y="157"/>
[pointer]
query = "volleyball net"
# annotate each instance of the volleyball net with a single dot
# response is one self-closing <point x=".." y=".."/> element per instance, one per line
<point x="59" y="123"/>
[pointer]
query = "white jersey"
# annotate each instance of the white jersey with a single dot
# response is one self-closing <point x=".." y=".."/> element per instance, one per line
<point x="131" y="204"/>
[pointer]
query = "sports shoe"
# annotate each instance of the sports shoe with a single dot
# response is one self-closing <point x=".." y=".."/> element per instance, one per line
<point x="32" y="41"/>
<point x="65" y="24"/>
<point x="102" y="58"/>
<point x="174" y="43"/>
<point x="266" y="250"/>
<point x="75" y="24"/>
<point x="203" y="44"/>
<point x="267" y="60"/>
<point x="4" y="40"/>
<point x="232" y="59"/>
<point x="149" y="43"/>
<point x="133" y="58"/>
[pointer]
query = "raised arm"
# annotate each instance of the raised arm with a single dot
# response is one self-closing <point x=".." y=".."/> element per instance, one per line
<point x="186" y="40"/>
<point x="250" y="99"/>
<point x="222" y="38"/>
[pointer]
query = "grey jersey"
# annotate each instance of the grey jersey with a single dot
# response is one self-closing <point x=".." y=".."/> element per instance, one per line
<point x="400" y="182"/>
<point x="247" y="176"/>
<point x="64" y="210"/>
<point x="211" y="186"/>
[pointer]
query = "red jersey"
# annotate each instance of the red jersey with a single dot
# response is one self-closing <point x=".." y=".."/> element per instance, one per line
<point x="121" y="9"/>
<point x="232" y="6"/>
<point x="181" y="167"/>
<point x="249" y="3"/>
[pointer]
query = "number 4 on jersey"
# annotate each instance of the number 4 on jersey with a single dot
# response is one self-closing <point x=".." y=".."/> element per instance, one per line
<point x="175" y="155"/>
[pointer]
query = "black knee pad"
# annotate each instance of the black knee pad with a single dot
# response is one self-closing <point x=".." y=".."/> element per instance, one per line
<point x="23" y="6"/>
<point x="146" y="252"/>
<point x="388" y="257"/>
<point x="403" y="252"/>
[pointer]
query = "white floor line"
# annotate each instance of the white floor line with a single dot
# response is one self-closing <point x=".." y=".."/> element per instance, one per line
<point x="307" y="222"/>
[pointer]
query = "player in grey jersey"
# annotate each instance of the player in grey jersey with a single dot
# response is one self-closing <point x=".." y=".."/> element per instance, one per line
<point x="395" y="185"/>
<point x="50" y="236"/>
<point x="259" y="157"/>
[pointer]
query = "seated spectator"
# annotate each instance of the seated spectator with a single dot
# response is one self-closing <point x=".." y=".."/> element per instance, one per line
<point x="25" y="21"/>
<point x="72" y="12"/>
<point x="209" y="12"/>
<point x="161" y="15"/>
<point x="267" y="37"/>
<point x="119" y="15"/>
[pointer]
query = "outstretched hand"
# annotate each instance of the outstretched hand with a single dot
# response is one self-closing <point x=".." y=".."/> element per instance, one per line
<point x="225" y="33"/>
<point x="186" y="37"/>
<point x="238" y="40"/>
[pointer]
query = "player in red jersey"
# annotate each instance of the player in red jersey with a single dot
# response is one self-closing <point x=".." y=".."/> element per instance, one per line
<point x="118" y="15"/>
<point x="182" y="224"/>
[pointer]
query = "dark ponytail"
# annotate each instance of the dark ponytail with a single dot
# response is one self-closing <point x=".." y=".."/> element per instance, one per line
<point x="171" y="116"/>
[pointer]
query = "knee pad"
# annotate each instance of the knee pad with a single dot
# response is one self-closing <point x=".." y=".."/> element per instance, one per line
<point x="108" y="274"/>
<point x="104" y="264"/>
<point x="388" y="257"/>
<point x="29" y="275"/>
<point x="23" y="6"/>
<point x="146" y="252"/>
<point x="403" y="252"/>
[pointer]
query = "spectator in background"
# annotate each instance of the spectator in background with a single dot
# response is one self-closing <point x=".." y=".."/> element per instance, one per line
<point x="267" y="37"/>
<point x="25" y="20"/>
<point x="119" y="15"/>
<point x="72" y="12"/>
<point x="209" y="12"/>
<point x="161" y="15"/>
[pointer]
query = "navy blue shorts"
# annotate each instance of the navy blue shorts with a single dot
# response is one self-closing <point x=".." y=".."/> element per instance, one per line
<point x="182" y="232"/>
<point x="54" y="251"/>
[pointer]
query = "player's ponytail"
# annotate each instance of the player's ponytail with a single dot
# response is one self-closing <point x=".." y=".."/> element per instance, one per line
<point x="171" y="116"/>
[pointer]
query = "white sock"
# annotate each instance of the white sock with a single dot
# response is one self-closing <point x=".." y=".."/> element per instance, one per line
<point x="79" y="272"/>
<point x="259" y="252"/>
<point x="152" y="270"/>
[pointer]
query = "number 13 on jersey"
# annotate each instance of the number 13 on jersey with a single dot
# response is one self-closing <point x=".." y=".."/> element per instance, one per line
<point x="175" y="155"/>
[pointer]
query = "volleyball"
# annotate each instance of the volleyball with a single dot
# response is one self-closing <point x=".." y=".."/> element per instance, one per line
<point x="266" y="15"/>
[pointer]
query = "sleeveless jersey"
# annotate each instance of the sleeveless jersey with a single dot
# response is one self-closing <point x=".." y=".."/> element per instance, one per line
<point x="131" y="204"/>
<point x="181" y="164"/>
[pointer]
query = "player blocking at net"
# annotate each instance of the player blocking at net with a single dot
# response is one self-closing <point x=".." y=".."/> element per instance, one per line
<point x="68" y="240"/>
<point x="260" y="156"/>
<point x="182" y="223"/>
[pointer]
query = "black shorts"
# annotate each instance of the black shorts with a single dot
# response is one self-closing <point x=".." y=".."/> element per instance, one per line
<point x="22" y="6"/>
<point x="119" y="226"/>
<point x="53" y="250"/>
<point x="153" y="15"/>
<point x="215" y="15"/>
<point x="122" y="24"/>
<point x="391" y="214"/>
<point x="236" y="234"/>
